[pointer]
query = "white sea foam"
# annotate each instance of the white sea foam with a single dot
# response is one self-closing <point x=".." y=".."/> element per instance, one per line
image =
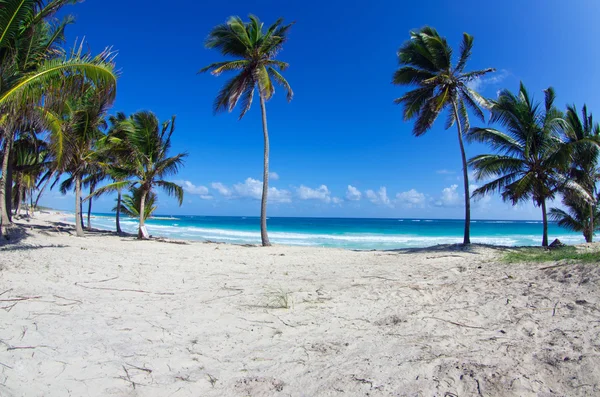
<point x="345" y="240"/>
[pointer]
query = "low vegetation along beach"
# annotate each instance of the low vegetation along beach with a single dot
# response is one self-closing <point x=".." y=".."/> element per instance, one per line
<point x="113" y="316"/>
<point x="486" y="286"/>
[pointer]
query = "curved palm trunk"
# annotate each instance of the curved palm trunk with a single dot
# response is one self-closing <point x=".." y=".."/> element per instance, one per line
<point x="142" y="215"/>
<point x="89" y="213"/>
<point x="43" y="188"/>
<point x="78" y="214"/>
<point x="9" y="190"/>
<point x="263" y="204"/>
<point x="545" y="221"/>
<point x="4" y="216"/>
<point x="118" y="216"/>
<point x="467" y="235"/>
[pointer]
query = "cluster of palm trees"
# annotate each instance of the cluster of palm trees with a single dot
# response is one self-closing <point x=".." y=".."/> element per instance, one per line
<point x="539" y="150"/>
<point x="54" y="125"/>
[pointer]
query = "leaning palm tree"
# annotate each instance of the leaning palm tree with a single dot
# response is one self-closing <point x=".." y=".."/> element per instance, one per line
<point x="32" y="63"/>
<point x="149" y="143"/>
<point x="531" y="155"/>
<point x="73" y="136"/>
<point x="254" y="51"/>
<point x="426" y="63"/>
<point x="577" y="216"/>
<point x="583" y="134"/>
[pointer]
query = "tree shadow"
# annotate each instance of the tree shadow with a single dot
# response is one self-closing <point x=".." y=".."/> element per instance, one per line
<point x="471" y="249"/>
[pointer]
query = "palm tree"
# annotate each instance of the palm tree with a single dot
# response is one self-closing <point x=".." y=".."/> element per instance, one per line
<point x="95" y="175"/>
<point x="114" y="154"/>
<point x="531" y="153"/>
<point x="254" y="51"/>
<point x="577" y="217"/>
<point x="426" y="62"/>
<point x="582" y="133"/>
<point x="32" y="63"/>
<point x="73" y="137"/>
<point x="131" y="203"/>
<point x="148" y="142"/>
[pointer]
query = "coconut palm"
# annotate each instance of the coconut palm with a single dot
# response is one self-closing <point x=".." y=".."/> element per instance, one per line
<point x="582" y="133"/>
<point x="148" y="142"/>
<point x="577" y="216"/>
<point x="130" y="204"/>
<point x="426" y="63"/>
<point x="32" y="63"/>
<point x="114" y="154"/>
<point x="73" y="137"/>
<point x="254" y="51"/>
<point x="531" y="155"/>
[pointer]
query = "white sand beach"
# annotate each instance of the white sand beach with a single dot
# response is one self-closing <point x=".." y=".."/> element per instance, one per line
<point x="112" y="316"/>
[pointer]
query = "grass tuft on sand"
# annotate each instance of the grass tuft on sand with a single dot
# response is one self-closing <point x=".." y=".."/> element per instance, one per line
<point x="540" y="255"/>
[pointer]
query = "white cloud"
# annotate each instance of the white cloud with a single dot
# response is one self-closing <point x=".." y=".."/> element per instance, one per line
<point x="353" y="194"/>
<point x="190" y="188"/>
<point x="274" y="176"/>
<point x="379" y="197"/>
<point x="480" y="83"/>
<point x="321" y="193"/>
<point x="411" y="199"/>
<point x="449" y="198"/>
<point x="337" y="200"/>
<point x="222" y="189"/>
<point x="252" y="188"/>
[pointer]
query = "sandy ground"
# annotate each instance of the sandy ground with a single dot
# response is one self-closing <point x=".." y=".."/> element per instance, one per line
<point x="112" y="316"/>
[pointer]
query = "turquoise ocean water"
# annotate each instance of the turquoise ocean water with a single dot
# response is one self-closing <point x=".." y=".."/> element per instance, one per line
<point x="343" y="232"/>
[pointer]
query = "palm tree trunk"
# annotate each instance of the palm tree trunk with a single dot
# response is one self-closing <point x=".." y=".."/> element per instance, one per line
<point x="545" y="221"/>
<point x="78" y="212"/>
<point x="265" y="192"/>
<point x="142" y="215"/>
<point x="4" y="199"/>
<point x="89" y="213"/>
<point x="20" y="193"/>
<point x="31" y="207"/>
<point x="467" y="235"/>
<point x="43" y="188"/>
<point x="118" y="216"/>
<point x="591" y="239"/>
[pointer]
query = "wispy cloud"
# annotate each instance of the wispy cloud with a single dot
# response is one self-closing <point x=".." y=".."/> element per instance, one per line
<point x="252" y="188"/>
<point x="353" y="194"/>
<point x="445" y="172"/>
<point x="411" y="199"/>
<point x="274" y="176"/>
<point x="380" y="197"/>
<point x="190" y="188"/>
<point x="479" y="84"/>
<point x="321" y="193"/>
<point x="222" y="189"/>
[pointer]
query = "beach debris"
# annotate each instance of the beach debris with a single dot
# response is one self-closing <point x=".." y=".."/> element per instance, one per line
<point x="556" y="244"/>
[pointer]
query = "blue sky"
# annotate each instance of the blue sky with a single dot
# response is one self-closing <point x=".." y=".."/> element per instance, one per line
<point x="340" y="148"/>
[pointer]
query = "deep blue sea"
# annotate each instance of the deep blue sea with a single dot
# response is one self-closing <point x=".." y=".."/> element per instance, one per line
<point x="343" y="232"/>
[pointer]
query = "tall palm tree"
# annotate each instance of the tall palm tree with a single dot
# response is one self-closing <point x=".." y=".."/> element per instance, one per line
<point x="148" y="142"/>
<point x="114" y="153"/>
<point x="254" y="51"/>
<point x="583" y="134"/>
<point x="73" y="137"/>
<point x="32" y="63"/>
<point x="426" y="63"/>
<point x="531" y="155"/>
